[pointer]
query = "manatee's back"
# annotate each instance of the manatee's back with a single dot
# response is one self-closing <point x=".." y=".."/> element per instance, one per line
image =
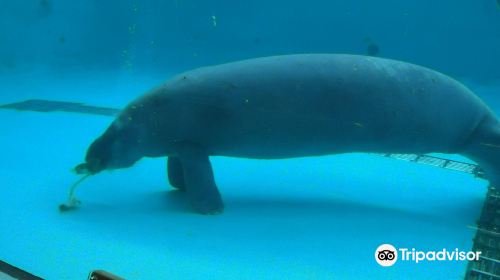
<point x="320" y="104"/>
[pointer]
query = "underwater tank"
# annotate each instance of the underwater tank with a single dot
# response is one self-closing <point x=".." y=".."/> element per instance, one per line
<point x="184" y="139"/>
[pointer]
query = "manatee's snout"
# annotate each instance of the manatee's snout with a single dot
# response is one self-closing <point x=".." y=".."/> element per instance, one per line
<point x="92" y="166"/>
<point x="97" y="158"/>
<point x="116" y="148"/>
<point x="86" y="168"/>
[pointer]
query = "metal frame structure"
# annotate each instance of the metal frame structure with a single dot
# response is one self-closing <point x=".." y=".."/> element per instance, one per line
<point x="487" y="240"/>
<point x="455" y="165"/>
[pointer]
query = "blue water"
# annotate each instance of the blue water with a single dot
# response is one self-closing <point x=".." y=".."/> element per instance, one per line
<point x="314" y="218"/>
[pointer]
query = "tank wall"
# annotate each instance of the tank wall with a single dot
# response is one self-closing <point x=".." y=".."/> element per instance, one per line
<point x="181" y="34"/>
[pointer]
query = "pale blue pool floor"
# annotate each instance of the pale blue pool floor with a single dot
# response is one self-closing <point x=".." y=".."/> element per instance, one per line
<point x="314" y="218"/>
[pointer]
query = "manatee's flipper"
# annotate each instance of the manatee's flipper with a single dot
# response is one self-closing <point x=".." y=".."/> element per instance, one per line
<point x="199" y="180"/>
<point x="175" y="173"/>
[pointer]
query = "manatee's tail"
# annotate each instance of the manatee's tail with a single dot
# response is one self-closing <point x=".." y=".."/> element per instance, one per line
<point x="484" y="148"/>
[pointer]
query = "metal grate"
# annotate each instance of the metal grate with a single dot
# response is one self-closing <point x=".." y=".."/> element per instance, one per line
<point x="460" y="166"/>
<point x="487" y="240"/>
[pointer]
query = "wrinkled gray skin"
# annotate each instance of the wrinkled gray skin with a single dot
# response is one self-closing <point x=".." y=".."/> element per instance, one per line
<point x="296" y="106"/>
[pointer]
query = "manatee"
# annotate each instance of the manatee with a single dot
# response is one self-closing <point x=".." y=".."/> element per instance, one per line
<point x="296" y="106"/>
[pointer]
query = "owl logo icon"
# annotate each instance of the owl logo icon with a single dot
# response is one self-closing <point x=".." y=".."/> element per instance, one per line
<point x="386" y="255"/>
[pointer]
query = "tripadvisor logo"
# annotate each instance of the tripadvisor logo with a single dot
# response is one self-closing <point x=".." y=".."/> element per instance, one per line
<point x="388" y="255"/>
